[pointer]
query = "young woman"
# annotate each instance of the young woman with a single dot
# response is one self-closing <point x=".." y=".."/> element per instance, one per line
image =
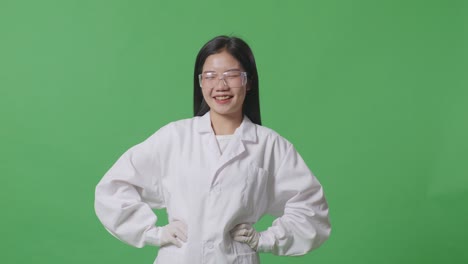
<point x="216" y="174"/>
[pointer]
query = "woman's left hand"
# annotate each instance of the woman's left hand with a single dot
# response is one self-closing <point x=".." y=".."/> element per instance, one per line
<point x="245" y="233"/>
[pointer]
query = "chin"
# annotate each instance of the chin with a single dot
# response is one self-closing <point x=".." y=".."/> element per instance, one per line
<point x="226" y="112"/>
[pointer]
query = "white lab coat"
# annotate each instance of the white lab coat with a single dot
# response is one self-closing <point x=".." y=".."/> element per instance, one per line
<point x="180" y="168"/>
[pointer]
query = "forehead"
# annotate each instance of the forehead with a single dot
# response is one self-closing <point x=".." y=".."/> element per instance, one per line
<point x="222" y="61"/>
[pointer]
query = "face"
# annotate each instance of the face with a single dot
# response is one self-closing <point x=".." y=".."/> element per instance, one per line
<point x="222" y="99"/>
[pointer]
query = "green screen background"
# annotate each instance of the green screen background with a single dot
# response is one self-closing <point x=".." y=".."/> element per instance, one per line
<point x="373" y="94"/>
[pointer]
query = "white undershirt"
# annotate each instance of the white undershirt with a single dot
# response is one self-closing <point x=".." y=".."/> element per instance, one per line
<point x="223" y="141"/>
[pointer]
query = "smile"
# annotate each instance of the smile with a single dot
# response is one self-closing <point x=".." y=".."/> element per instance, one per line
<point x="223" y="97"/>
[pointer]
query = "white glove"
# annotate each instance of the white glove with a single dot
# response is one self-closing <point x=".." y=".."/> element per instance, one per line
<point x="245" y="233"/>
<point x="173" y="233"/>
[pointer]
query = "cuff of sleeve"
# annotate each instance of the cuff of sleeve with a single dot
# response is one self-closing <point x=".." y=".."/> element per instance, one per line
<point x="153" y="236"/>
<point x="266" y="242"/>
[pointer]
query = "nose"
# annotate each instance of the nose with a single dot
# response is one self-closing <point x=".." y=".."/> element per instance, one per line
<point x="221" y="85"/>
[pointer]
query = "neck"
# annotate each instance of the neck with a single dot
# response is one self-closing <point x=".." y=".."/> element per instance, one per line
<point x="225" y="124"/>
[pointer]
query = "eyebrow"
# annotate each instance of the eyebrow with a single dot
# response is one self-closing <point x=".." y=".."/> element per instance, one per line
<point x="230" y="70"/>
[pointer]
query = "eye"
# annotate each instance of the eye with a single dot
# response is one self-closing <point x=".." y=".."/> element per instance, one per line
<point x="232" y="75"/>
<point x="209" y="76"/>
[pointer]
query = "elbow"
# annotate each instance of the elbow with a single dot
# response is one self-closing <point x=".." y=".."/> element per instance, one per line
<point x="311" y="242"/>
<point x="323" y="234"/>
<point x="302" y="239"/>
<point x="322" y="231"/>
<point x="313" y="235"/>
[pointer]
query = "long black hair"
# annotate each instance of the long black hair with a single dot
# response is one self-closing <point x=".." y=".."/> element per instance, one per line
<point x="242" y="52"/>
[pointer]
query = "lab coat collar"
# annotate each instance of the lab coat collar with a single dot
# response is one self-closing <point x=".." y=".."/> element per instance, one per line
<point x="247" y="131"/>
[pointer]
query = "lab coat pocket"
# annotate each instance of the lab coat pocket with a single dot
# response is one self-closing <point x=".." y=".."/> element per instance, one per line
<point x="169" y="254"/>
<point x="254" y="195"/>
<point x="247" y="258"/>
<point x="244" y="254"/>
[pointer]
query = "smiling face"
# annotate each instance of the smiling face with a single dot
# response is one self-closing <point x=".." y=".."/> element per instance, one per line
<point x="222" y="99"/>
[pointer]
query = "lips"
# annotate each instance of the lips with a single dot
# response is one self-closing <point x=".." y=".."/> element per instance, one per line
<point x="224" y="97"/>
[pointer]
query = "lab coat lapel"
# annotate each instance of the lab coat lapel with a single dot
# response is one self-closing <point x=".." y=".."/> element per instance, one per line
<point x="208" y="136"/>
<point x="235" y="149"/>
<point x="246" y="132"/>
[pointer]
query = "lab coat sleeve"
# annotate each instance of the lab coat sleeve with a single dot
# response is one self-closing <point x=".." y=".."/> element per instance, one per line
<point x="298" y="201"/>
<point x="125" y="196"/>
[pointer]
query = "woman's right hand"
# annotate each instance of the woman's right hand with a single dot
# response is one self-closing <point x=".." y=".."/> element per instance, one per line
<point x="173" y="233"/>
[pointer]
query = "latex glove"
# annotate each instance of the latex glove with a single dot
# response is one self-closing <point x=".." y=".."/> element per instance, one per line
<point x="245" y="233"/>
<point x="173" y="233"/>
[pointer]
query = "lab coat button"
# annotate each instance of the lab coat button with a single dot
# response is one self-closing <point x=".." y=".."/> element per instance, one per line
<point x="209" y="245"/>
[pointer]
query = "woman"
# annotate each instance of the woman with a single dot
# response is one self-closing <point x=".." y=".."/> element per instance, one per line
<point x="216" y="174"/>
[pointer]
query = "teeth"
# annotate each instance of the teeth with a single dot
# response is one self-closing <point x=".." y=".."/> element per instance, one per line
<point x="222" y="97"/>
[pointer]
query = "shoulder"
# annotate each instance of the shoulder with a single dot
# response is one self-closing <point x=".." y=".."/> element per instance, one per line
<point x="181" y="124"/>
<point x="174" y="128"/>
<point x="272" y="138"/>
<point x="267" y="133"/>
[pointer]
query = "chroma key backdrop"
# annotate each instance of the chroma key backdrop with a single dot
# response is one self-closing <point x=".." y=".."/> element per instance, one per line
<point x="373" y="94"/>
